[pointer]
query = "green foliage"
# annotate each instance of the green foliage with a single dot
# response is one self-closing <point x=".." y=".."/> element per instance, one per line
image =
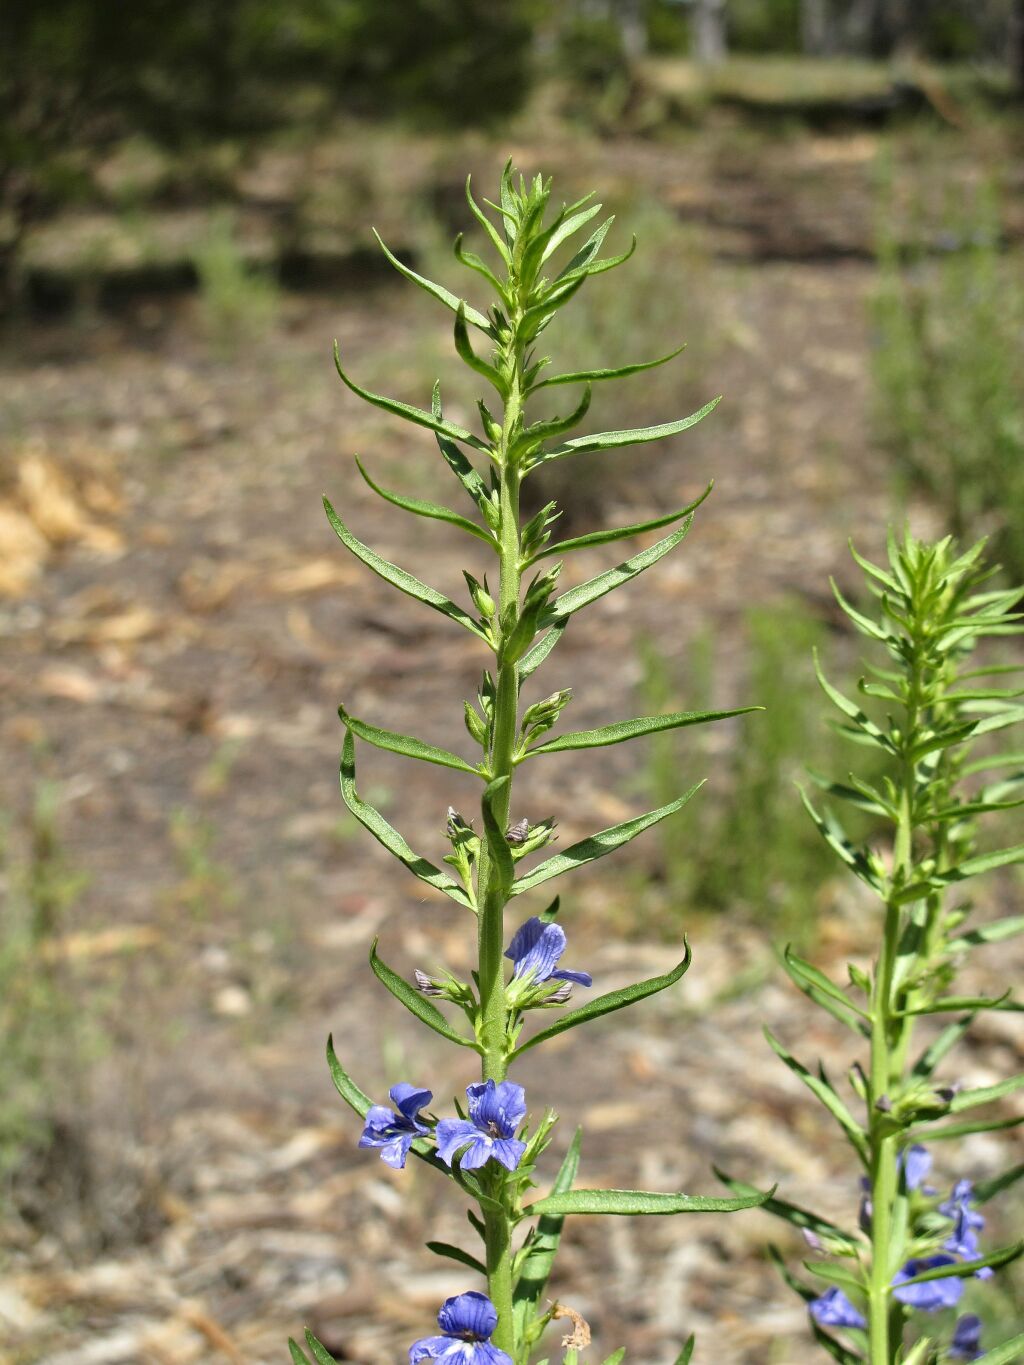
<point x="518" y="622"/>
<point x="949" y="368"/>
<point x="933" y="608"/>
<point x="238" y="301"/>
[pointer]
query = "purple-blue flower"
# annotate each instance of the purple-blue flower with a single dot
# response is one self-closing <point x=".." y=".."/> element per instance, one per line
<point x="535" y="950"/>
<point x="834" y="1309"/>
<point x="467" y="1322"/>
<point x="496" y="1109"/>
<point x="394" y="1132"/>
<point x="929" y="1295"/>
<point x="966" y="1343"/>
<point x="915" y="1163"/>
<point x="967" y="1223"/>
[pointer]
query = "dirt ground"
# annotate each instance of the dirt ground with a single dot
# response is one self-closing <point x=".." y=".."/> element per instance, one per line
<point x="175" y="668"/>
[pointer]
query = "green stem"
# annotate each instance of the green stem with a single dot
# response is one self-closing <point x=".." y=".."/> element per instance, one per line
<point x="492" y="895"/>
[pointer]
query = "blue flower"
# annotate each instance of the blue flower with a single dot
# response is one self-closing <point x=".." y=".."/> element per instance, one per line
<point x="930" y="1295"/>
<point x="966" y="1343"/>
<point x="915" y="1163"/>
<point x="535" y="950"/>
<point x="394" y="1133"/>
<point x="967" y="1223"/>
<point x="467" y="1322"/>
<point x="834" y="1309"/>
<point x="495" y="1112"/>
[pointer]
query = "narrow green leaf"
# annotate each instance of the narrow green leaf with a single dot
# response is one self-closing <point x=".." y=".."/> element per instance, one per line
<point x="820" y="988"/>
<point x="487" y="225"/>
<point x="406" y="745"/>
<point x="618" y="372"/>
<point x="385" y="834"/>
<point x="418" y="416"/>
<point x="607" y="1004"/>
<point x="616" y="1358"/>
<point x="984" y="862"/>
<point x="863" y="623"/>
<point x="835" y="836"/>
<point x="540" y="649"/>
<point x="320" y="1353"/>
<point x="988" y="933"/>
<point x="686" y="1354"/>
<point x="633" y="729"/>
<point x="834" y="1348"/>
<point x="612" y="440"/>
<point x="828" y="1097"/>
<point x="400" y="578"/>
<point x="835" y="1274"/>
<point x="962" y="1270"/>
<point x="540" y="1257"/>
<point x="951" y="1004"/>
<point x="298" y="1356"/>
<point x="456" y="460"/>
<point x="436" y="291"/>
<point x="616" y="533"/>
<point x="602" y="583"/>
<point x="558" y="232"/>
<point x="473" y="262"/>
<point x="925" y="1065"/>
<point x="464" y="347"/>
<point x="434" y="510"/>
<point x="593" y="267"/>
<point x="600" y="844"/>
<point x="497" y="843"/>
<point x="1008" y="1354"/>
<point x="646" y="1202"/>
<point x="969" y="1099"/>
<point x="791" y="1213"/>
<point x="852" y="710"/>
<point x="588" y="250"/>
<point x="415" y="1001"/>
<point x="947" y="1132"/>
<point x="985" y="1190"/>
<point x="457" y="1254"/>
<point x="802" y="1290"/>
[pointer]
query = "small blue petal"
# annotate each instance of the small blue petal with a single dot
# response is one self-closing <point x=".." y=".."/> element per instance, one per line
<point x="452" y="1134"/>
<point x="508" y="1151"/>
<point x="394" y="1153"/>
<point x="429" y="1348"/>
<point x="930" y="1295"/>
<point x="966" y="1343"/>
<point x="536" y="948"/>
<point x="915" y="1164"/>
<point x="477" y="1154"/>
<point x="834" y="1309"/>
<point x="501" y="1105"/>
<point x="410" y="1099"/>
<point x="486" y="1354"/>
<point x="581" y="978"/>
<point x="471" y="1313"/>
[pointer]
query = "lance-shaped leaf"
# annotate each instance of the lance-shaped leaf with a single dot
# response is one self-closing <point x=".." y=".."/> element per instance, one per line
<point x="834" y="835"/>
<point x="596" y="376"/>
<point x="553" y="426"/>
<point x="486" y="224"/>
<point x="608" y="1004"/>
<point x="415" y="1002"/>
<point x="925" y="1065"/>
<point x="617" y="532"/>
<point x="597" y="845"/>
<point x="827" y="1096"/>
<point x="792" y="1213"/>
<point x="645" y="1202"/>
<point x="633" y="436"/>
<point x="570" y="220"/>
<point x="418" y="416"/>
<point x="434" y="510"/>
<point x="540" y="649"/>
<point x="539" y="1254"/>
<point x="962" y="1270"/>
<point x="406" y="745"/>
<point x="624" y="730"/>
<point x="436" y="291"/>
<point x="320" y="1353"/>
<point x="986" y="1094"/>
<point x="1008" y="1354"/>
<point x="984" y="1190"/>
<point x="400" y="578"/>
<point x="951" y="1004"/>
<point x="451" y="1253"/>
<point x="588" y="250"/>
<point x="602" y="583"/>
<point x="457" y="460"/>
<point x="836" y="1274"/>
<point x="473" y="262"/>
<point x="823" y="991"/>
<point x="464" y="349"/>
<point x="298" y="1356"/>
<point x="497" y="842"/>
<point x="686" y="1354"/>
<point x="851" y="710"/>
<point x="987" y="934"/>
<point x="984" y="862"/>
<point x="948" y="1131"/>
<point x="372" y="820"/>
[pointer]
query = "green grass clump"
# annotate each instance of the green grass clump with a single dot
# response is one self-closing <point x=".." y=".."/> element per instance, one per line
<point x="238" y="300"/>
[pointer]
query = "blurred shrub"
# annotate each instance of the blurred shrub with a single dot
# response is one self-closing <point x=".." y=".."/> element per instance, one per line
<point x="238" y="300"/>
<point x="753" y="849"/>
<point x="764" y="25"/>
<point x="948" y="367"/>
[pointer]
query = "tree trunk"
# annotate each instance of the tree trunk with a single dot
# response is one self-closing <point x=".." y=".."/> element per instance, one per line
<point x="709" y="40"/>
<point x="818" y="36"/>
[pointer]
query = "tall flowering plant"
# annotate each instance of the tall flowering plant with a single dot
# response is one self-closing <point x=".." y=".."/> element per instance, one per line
<point x="916" y="1243"/>
<point x="491" y="1146"/>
